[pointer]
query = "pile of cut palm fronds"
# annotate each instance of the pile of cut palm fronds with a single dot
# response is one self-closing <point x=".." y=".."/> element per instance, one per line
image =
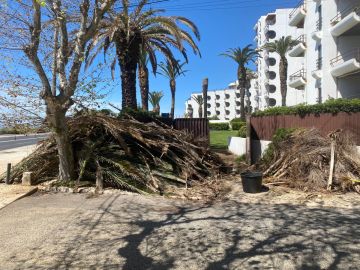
<point x="134" y="156"/>
<point x="311" y="162"/>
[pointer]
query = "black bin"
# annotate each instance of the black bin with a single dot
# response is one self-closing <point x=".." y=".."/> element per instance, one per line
<point x="251" y="182"/>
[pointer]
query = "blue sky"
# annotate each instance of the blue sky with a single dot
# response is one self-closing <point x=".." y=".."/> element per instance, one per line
<point x="223" y="24"/>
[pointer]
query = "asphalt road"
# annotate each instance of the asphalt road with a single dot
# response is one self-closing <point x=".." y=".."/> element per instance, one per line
<point x="132" y="232"/>
<point x="14" y="141"/>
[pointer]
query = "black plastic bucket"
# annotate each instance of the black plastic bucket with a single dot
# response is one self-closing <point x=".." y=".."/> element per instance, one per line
<point x="251" y="182"/>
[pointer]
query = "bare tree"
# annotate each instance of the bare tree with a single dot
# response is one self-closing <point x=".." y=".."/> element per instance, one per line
<point x="58" y="29"/>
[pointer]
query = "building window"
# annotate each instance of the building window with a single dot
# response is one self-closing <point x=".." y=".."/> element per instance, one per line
<point x="217" y="105"/>
<point x="227" y="104"/>
<point x="208" y="98"/>
<point x="217" y="97"/>
<point x="227" y="96"/>
<point x="227" y="112"/>
<point x="217" y="112"/>
<point x="209" y="106"/>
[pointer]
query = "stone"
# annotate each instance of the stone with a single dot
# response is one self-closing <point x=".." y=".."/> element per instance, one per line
<point x="27" y="179"/>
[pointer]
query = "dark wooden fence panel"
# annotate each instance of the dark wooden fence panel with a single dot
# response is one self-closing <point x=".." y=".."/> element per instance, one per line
<point x="264" y="127"/>
<point x="199" y="127"/>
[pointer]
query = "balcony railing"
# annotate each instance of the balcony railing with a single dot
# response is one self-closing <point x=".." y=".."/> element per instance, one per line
<point x="318" y="26"/>
<point x="342" y="14"/>
<point x="301" y="39"/>
<point x="319" y="64"/>
<point x="302" y="4"/>
<point x="353" y="54"/>
<point x="299" y="74"/>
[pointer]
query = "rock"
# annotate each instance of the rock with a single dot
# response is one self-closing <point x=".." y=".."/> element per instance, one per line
<point x="27" y="179"/>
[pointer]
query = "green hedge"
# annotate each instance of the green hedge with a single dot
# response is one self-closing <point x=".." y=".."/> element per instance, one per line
<point x="219" y="126"/>
<point x="237" y="125"/>
<point x="331" y="106"/>
<point x="242" y="132"/>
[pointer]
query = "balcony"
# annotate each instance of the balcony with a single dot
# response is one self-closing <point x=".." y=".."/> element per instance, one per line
<point x="346" y="22"/>
<point x="271" y="19"/>
<point x="270" y="34"/>
<point x="346" y="64"/>
<point x="317" y="34"/>
<point x="317" y="73"/>
<point x="297" y="16"/>
<point x="300" y="48"/>
<point x="298" y="79"/>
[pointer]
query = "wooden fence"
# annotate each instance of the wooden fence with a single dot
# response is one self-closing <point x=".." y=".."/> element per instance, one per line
<point x="199" y="127"/>
<point x="264" y="127"/>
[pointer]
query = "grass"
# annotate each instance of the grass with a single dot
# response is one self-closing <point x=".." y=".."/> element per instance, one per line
<point x="219" y="138"/>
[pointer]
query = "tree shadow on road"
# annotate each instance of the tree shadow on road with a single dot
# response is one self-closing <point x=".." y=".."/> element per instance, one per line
<point x="154" y="233"/>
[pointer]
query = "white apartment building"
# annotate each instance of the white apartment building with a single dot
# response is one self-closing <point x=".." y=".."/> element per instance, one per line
<point x="223" y="103"/>
<point x="329" y="50"/>
<point x="325" y="64"/>
<point x="269" y="28"/>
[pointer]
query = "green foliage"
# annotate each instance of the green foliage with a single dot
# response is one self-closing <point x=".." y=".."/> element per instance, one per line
<point x="242" y="131"/>
<point x="236" y="120"/>
<point x="139" y="115"/>
<point x="333" y="106"/>
<point x="215" y="117"/>
<point x="238" y="125"/>
<point x="281" y="134"/>
<point x="240" y="159"/>
<point x="219" y="126"/>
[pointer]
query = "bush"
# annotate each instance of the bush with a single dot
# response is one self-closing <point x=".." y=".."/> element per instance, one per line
<point x="242" y="131"/>
<point x="333" y="106"/>
<point x="236" y="120"/>
<point x="219" y="126"/>
<point x="237" y="125"/>
<point x="139" y="115"/>
<point x="280" y="135"/>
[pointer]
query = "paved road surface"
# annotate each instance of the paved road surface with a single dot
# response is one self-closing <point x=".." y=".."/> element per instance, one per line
<point x="131" y="232"/>
<point x="14" y="141"/>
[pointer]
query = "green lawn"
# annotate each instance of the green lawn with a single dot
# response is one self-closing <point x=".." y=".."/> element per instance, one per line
<point x="219" y="138"/>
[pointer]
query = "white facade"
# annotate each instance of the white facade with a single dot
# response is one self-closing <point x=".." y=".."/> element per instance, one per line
<point x="330" y="61"/>
<point x="325" y="64"/>
<point x="224" y="103"/>
<point x="269" y="28"/>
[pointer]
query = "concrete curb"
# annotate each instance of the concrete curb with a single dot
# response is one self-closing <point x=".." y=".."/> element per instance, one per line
<point x="28" y="193"/>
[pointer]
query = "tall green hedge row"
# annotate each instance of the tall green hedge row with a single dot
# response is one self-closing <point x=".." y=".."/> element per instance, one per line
<point x="330" y="106"/>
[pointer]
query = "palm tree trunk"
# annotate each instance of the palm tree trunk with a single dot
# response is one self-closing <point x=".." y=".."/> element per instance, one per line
<point x="173" y="90"/>
<point x="144" y="86"/>
<point x="283" y="69"/>
<point x="200" y="111"/>
<point x="128" y="61"/>
<point x="205" y="94"/>
<point x="242" y="86"/>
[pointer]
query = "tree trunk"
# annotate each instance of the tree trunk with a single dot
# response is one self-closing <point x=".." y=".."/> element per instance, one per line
<point x="128" y="56"/>
<point x="283" y="67"/>
<point x="242" y="86"/>
<point x="58" y="123"/>
<point x="173" y="89"/>
<point x="200" y="111"/>
<point x="144" y="86"/>
<point x="205" y="87"/>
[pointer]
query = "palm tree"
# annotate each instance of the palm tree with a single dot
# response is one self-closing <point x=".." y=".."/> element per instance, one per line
<point x="205" y="86"/>
<point x="135" y="28"/>
<point x="172" y="70"/>
<point x="281" y="47"/>
<point x="200" y="101"/>
<point x="143" y="75"/>
<point x="155" y="98"/>
<point x="242" y="56"/>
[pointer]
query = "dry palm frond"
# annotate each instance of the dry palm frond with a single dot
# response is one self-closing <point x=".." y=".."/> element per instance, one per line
<point x="303" y="161"/>
<point x="135" y="156"/>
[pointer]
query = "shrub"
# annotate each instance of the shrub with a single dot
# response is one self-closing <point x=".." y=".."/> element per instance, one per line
<point x="237" y="125"/>
<point x="333" y="106"/>
<point x="219" y="126"/>
<point x="280" y="135"/>
<point x="236" y="120"/>
<point x="139" y="115"/>
<point x="242" y="131"/>
<point x="240" y="159"/>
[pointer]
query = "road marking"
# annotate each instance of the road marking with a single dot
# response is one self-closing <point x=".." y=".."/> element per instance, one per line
<point x="17" y="140"/>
